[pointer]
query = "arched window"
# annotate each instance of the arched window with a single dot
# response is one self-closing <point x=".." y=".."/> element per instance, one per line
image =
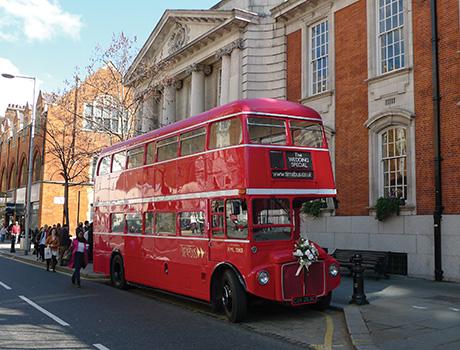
<point x="22" y="178"/>
<point x="3" y="184"/>
<point x="393" y="162"/>
<point x="37" y="167"/>
<point x="391" y="156"/>
<point x="11" y="178"/>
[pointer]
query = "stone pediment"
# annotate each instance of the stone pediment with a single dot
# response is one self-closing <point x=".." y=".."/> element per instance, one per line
<point x="176" y="29"/>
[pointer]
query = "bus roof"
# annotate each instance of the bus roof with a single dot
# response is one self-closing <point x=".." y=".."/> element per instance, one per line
<point x="257" y="105"/>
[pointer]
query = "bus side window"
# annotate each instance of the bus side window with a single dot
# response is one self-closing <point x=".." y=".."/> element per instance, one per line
<point x="237" y="218"/>
<point x="192" y="142"/>
<point x="135" y="157"/>
<point x="165" y="223"/>
<point x="119" y="161"/>
<point x="191" y="223"/>
<point x="150" y="157"/>
<point x="104" y="166"/>
<point x="148" y="223"/>
<point x="217" y="218"/>
<point x="225" y="133"/>
<point x="134" y="223"/>
<point x="167" y="149"/>
<point x="117" y="222"/>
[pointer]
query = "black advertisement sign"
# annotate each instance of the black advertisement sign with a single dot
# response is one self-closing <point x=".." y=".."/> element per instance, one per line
<point x="298" y="160"/>
<point x="292" y="174"/>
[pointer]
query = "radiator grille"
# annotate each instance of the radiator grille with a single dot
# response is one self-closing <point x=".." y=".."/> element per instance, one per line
<point x="307" y="283"/>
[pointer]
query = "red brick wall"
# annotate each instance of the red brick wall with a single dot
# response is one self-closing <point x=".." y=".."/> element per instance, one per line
<point x="352" y="173"/>
<point x="449" y="65"/>
<point x="294" y="65"/>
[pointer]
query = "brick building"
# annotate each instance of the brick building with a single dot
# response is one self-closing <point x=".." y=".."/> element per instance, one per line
<point x="366" y="66"/>
<point x="97" y="124"/>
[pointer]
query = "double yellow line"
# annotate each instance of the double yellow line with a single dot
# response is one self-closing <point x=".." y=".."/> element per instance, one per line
<point x="327" y="345"/>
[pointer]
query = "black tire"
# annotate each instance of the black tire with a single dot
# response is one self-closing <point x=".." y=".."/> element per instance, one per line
<point x="217" y="306"/>
<point x="234" y="298"/>
<point x="117" y="272"/>
<point x="323" y="302"/>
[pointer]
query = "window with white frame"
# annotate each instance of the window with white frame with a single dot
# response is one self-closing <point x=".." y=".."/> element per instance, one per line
<point x="319" y="57"/>
<point x="103" y="115"/>
<point x="393" y="169"/>
<point x="390" y="35"/>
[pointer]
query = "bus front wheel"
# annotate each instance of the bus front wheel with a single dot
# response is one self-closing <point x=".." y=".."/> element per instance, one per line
<point x="234" y="298"/>
<point x="117" y="272"/>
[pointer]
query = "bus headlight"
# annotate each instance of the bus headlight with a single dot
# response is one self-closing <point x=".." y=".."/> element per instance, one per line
<point x="263" y="277"/>
<point x="333" y="270"/>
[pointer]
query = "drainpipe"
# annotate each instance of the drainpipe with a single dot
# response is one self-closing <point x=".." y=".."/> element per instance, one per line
<point x="438" y="273"/>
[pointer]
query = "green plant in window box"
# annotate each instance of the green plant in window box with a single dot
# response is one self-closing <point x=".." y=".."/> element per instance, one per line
<point x="387" y="206"/>
<point x="313" y="207"/>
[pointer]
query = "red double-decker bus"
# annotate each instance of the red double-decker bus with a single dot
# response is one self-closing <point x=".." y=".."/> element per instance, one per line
<point x="209" y="207"/>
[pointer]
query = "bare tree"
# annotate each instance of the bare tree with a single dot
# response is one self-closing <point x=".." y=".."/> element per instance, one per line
<point x="67" y="148"/>
<point x="96" y="109"/>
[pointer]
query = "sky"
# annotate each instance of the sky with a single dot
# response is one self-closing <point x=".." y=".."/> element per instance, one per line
<point x="47" y="39"/>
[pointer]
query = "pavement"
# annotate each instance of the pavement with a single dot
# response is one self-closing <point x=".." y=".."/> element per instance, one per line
<point x="403" y="312"/>
<point x="86" y="273"/>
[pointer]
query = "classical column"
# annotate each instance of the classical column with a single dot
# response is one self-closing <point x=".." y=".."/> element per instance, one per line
<point x="197" y="90"/>
<point x="234" y="92"/>
<point x="230" y="89"/>
<point x="225" y="79"/>
<point x="169" y="103"/>
<point x="150" y="113"/>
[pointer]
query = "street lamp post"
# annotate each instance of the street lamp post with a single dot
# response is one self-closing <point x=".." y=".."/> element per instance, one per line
<point x="30" y="164"/>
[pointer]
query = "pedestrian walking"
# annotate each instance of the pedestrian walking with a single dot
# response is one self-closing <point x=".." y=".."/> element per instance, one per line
<point x="79" y="257"/>
<point x="64" y="243"/>
<point x="3" y="232"/>
<point x="42" y="242"/>
<point x="15" y="231"/>
<point x="52" y="242"/>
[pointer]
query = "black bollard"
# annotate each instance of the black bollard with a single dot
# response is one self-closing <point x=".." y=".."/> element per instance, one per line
<point x="358" y="297"/>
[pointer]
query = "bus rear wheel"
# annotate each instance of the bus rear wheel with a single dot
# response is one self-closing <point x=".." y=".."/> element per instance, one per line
<point x="234" y="299"/>
<point x="117" y="272"/>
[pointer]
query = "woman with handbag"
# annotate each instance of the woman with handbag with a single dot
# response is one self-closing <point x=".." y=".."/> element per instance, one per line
<point x="52" y="243"/>
<point x="79" y="257"/>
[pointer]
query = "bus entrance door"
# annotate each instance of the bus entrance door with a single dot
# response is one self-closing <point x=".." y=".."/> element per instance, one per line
<point x="217" y="247"/>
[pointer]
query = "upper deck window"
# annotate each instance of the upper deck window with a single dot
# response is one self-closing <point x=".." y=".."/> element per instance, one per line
<point x="119" y="161"/>
<point x="167" y="149"/>
<point x="104" y="166"/>
<point x="306" y="133"/>
<point x="272" y="219"/>
<point x="135" y="157"/>
<point x="225" y="133"/>
<point x="267" y="131"/>
<point x="192" y="142"/>
<point x="150" y="157"/>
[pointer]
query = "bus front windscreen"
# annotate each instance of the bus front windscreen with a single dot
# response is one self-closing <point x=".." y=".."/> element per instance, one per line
<point x="271" y="219"/>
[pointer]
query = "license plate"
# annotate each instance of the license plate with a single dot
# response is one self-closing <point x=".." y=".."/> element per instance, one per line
<point x="304" y="300"/>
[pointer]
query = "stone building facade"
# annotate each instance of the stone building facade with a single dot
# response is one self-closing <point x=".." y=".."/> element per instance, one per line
<point x="366" y="66"/>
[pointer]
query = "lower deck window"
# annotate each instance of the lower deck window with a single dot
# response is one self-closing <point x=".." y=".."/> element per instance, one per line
<point x="117" y="222"/>
<point x="191" y="223"/>
<point x="134" y="223"/>
<point x="165" y="223"/>
<point x="271" y="219"/>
